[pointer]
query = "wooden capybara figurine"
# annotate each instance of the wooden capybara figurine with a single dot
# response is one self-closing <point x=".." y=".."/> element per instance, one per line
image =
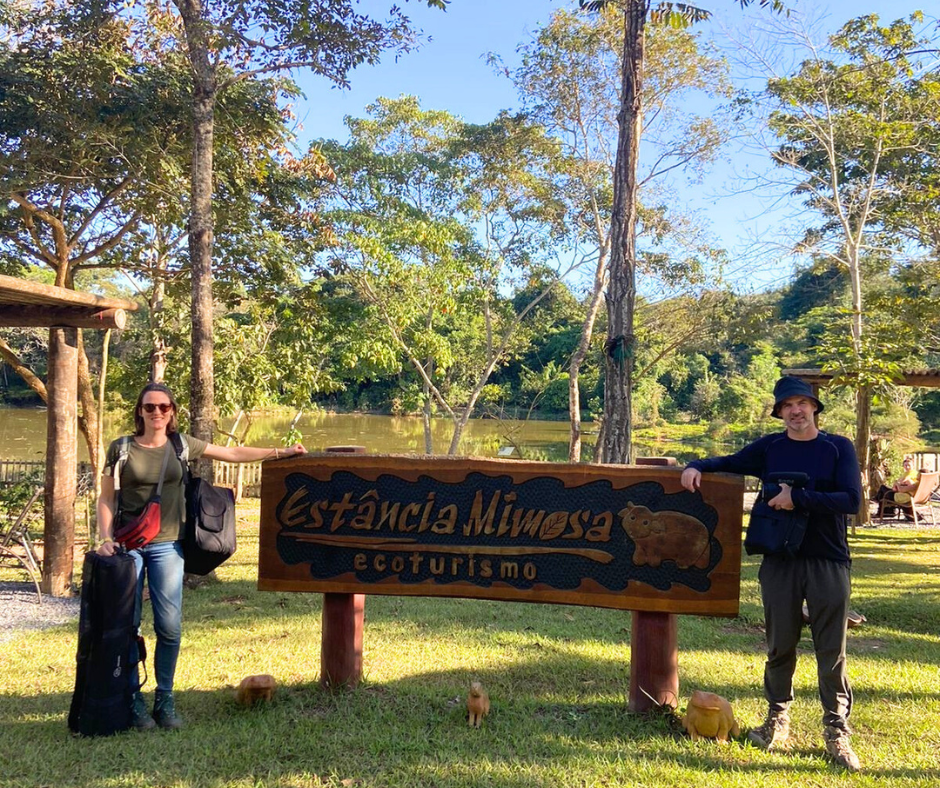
<point x="254" y="689"/>
<point x="478" y="704"/>
<point x="709" y="716"/>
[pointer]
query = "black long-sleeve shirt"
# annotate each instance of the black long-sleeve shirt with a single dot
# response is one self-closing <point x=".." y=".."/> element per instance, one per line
<point x="834" y="489"/>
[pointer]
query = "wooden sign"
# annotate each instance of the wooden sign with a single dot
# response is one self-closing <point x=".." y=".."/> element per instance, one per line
<point x="616" y="536"/>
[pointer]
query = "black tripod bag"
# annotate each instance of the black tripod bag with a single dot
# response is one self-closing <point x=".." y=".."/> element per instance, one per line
<point x="106" y="676"/>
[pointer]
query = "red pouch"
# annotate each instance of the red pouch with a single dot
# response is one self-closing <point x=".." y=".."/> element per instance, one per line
<point x="142" y="529"/>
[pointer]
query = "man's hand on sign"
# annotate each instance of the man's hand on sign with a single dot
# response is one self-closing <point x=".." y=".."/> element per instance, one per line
<point x="691" y="479"/>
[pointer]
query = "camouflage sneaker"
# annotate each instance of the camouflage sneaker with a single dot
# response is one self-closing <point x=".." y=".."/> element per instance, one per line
<point x="773" y="733"/>
<point x="140" y="717"/>
<point x="839" y="749"/>
<point x="164" y="712"/>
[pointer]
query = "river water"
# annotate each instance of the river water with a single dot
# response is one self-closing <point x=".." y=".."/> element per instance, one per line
<point x="23" y="435"/>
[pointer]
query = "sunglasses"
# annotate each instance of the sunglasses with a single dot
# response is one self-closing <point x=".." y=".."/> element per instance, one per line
<point x="150" y="407"/>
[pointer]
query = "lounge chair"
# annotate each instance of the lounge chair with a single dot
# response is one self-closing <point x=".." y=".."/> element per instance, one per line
<point x="920" y="502"/>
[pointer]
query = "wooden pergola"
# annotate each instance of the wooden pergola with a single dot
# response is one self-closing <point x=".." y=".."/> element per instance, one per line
<point x="923" y="378"/>
<point x="31" y="304"/>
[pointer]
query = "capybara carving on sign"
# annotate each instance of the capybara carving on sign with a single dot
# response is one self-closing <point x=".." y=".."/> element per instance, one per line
<point x="666" y="536"/>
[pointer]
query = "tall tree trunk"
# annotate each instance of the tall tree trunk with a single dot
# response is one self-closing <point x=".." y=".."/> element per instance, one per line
<point x="102" y="388"/>
<point x="620" y="348"/>
<point x="577" y="359"/>
<point x="862" y="393"/>
<point x="202" y="385"/>
<point x="863" y="448"/>
<point x="158" y="340"/>
<point x="88" y="421"/>
<point x="426" y="413"/>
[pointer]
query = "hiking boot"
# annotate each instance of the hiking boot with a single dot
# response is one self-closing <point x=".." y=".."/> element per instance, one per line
<point x="140" y="717"/>
<point x="839" y="749"/>
<point x="773" y="733"/>
<point x="164" y="712"/>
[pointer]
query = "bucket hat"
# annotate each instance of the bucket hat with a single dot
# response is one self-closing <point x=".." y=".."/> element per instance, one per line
<point x="790" y="386"/>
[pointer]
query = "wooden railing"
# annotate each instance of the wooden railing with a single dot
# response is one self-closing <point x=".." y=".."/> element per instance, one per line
<point x="12" y="471"/>
<point x="245" y="477"/>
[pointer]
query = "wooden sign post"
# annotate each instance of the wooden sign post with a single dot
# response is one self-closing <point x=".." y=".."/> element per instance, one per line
<point x="342" y="624"/>
<point x="614" y="536"/>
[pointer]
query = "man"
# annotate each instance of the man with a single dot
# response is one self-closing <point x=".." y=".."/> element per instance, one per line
<point x="819" y="573"/>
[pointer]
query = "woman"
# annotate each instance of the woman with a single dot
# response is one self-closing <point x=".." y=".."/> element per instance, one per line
<point x="161" y="561"/>
<point x="900" y="491"/>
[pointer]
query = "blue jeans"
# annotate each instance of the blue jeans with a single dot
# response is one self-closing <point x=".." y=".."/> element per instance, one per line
<point x="162" y="563"/>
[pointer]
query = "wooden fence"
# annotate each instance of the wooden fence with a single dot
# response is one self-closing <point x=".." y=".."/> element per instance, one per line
<point x="12" y="471"/>
<point x="245" y="477"/>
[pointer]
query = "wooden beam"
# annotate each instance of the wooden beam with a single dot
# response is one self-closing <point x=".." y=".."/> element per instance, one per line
<point x="342" y="625"/>
<point x="24" y="291"/>
<point x="918" y="378"/>
<point x="61" y="317"/>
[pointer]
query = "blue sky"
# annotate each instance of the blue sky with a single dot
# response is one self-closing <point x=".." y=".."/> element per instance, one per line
<point x="448" y="72"/>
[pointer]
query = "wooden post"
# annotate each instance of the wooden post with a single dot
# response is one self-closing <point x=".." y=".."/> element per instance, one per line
<point x="654" y="661"/>
<point x="342" y="624"/>
<point x="654" y="648"/>
<point x="61" y="465"/>
<point x="341" y="644"/>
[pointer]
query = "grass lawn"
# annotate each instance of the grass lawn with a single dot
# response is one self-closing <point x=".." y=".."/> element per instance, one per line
<point x="557" y="677"/>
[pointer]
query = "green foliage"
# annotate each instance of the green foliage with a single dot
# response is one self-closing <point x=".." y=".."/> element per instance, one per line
<point x="88" y="129"/>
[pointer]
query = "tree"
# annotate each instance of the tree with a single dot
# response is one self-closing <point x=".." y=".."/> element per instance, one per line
<point x="231" y="42"/>
<point x="568" y="81"/>
<point x="88" y="129"/>
<point x="437" y="219"/>
<point x="841" y="123"/>
<point x="620" y="347"/>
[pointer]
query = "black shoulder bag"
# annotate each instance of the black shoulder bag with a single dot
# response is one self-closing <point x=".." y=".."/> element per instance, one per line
<point x="209" y="533"/>
<point x="776" y="531"/>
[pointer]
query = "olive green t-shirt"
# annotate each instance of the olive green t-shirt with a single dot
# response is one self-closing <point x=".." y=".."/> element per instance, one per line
<point x="139" y="479"/>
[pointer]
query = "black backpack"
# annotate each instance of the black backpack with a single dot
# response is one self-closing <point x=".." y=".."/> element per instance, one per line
<point x="209" y="535"/>
<point x="105" y="675"/>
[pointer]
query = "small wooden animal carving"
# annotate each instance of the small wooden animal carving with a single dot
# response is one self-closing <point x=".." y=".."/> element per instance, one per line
<point x="478" y="704"/>
<point x="254" y="689"/>
<point x="665" y="536"/>
<point x="709" y="716"/>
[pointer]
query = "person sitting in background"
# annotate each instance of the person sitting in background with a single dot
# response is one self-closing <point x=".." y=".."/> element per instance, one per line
<point x="900" y="491"/>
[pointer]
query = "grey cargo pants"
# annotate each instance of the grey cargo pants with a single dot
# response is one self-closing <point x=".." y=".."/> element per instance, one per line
<point x="825" y="585"/>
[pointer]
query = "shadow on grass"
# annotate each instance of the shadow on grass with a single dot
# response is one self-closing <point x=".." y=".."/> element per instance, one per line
<point x="405" y="732"/>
